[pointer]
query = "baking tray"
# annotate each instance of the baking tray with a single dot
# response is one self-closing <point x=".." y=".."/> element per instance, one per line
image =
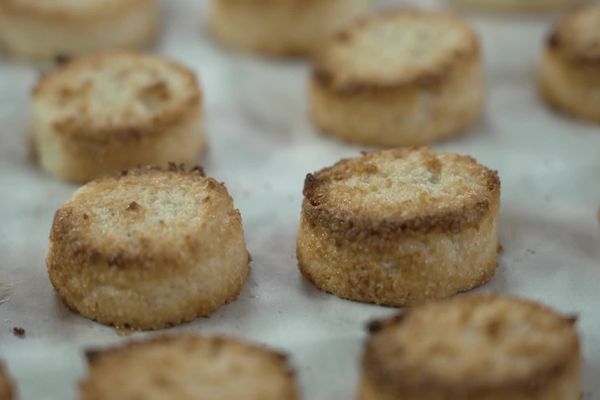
<point x="262" y="144"/>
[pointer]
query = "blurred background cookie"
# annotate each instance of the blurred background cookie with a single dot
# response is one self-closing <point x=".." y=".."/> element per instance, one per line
<point x="479" y="347"/>
<point x="6" y="386"/>
<point x="280" y="27"/>
<point x="188" y="367"/>
<point x="113" y="111"/>
<point x="148" y="249"/>
<point x="45" y="29"/>
<point x="569" y="72"/>
<point x="400" y="227"/>
<point x="400" y="77"/>
<point x="518" y="5"/>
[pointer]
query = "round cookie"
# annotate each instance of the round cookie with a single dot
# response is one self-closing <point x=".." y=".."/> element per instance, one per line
<point x="400" y="77"/>
<point x="569" y="72"/>
<point x="400" y="227"/>
<point x="43" y="29"/>
<point x="6" y="385"/>
<point x="481" y="347"/>
<point x="148" y="249"/>
<point x="518" y="5"/>
<point x="280" y="27"/>
<point x="188" y="367"/>
<point x="114" y="111"/>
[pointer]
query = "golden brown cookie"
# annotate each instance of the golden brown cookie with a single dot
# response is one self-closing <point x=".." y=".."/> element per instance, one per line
<point x="518" y="5"/>
<point x="148" y="249"/>
<point x="400" y="227"/>
<point x="569" y="72"/>
<point x="188" y="367"/>
<point x="473" y="348"/>
<point x="114" y="111"/>
<point x="280" y="27"/>
<point x="45" y="29"/>
<point x="399" y="77"/>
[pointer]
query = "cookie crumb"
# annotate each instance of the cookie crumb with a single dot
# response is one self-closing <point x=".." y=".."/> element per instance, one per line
<point x="62" y="59"/>
<point x="133" y="206"/>
<point x="19" y="332"/>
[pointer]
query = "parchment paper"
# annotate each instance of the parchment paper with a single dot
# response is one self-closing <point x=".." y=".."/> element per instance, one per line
<point x="262" y="145"/>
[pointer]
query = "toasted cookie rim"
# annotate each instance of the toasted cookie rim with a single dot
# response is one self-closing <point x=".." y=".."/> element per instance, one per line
<point x="351" y="226"/>
<point x="324" y="75"/>
<point x="94" y="355"/>
<point x="374" y="369"/>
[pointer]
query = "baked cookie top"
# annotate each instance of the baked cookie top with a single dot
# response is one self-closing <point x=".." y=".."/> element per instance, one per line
<point x="395" y="48"/>
<point x="189" y="367"/>
<point x="69" y="9"/>
<point x="577" y="35"/>
<point x="400" y="190"/>
<point x="144" y="214"/>
<point x="115" y="94"/>
<point x="475" y="342"/>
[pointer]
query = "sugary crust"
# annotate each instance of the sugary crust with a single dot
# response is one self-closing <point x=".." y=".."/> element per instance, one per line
<point x="280" y="28"/>
<point x="400" y="227"/>
<point x="337" y="62"/>
<point x="6" y="385"/>
<point x="569" y="71"/>
<point x="187" y="366"/>
<point x="148" y="249"/>
<point x="416" y="269"/>
<point x="154" y="115"/>
<point x="478" y="347"/>
<point x="450" y="215"/>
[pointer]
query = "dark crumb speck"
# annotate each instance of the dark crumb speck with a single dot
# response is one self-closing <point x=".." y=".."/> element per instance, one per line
<point x="19" y="332"/>
<point x="114" y="259"/>
<point x="553" y="41"/>
<point x="62" y="59"/>
<point x="198" y="169"/>
<point x="133" y="206"/>
<point x="374" y="326"/>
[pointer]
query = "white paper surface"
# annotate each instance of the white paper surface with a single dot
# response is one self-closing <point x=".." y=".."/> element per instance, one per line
<point x="262" y="145"/>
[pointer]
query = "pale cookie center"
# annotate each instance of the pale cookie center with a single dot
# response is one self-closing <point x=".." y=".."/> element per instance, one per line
<point x="115" y="96"/>
<point x="490" y="343"/>
<point x="125" y="217"/>
<point x="405" y="186"/>
<point x="189" y="375"/>
<point x="390" y="47"/>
